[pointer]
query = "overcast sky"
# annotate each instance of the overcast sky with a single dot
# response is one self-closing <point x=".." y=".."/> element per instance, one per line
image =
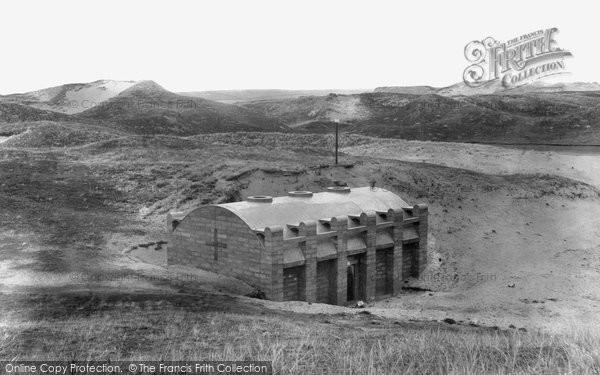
<point x="204" y="45"/>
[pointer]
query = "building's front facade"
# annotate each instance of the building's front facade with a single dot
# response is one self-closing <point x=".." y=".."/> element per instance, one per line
<point x="337" y="246"/>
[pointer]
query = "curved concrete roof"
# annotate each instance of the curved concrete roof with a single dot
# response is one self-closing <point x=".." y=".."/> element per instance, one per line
<point x="325" y="205"/>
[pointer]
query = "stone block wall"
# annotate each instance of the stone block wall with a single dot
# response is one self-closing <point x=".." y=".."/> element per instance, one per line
<point x="192" y="244"/>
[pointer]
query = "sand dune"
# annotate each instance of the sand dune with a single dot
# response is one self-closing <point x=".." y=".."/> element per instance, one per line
<point x="582" y="164"/>
<point x="72" y="98"/>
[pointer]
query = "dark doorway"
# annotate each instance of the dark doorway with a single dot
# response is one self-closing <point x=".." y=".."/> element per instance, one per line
<point x="355" y="278"/>
<point x="293" y="281"/>
<point x="410" y="260"/>
<point x="384" y="263"/>
<point x="326" y="279"/>
<point x="351" y="292"/>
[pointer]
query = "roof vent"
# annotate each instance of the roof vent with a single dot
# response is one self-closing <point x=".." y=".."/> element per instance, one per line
<point x="338" y="189"/>
<point x="260" y="199"/>
<point x="300" y="193"/>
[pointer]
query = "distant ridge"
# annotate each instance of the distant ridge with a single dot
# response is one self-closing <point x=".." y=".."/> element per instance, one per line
<point x="491" y="88"/>
<point x="411" y="90"/>
<point x="148" y="108"/>
<point x="237" y="96"/>
<point x="70" y="98"/>
<point x="539" y="113"/>
<point x="138" y="107"/>
<point x="551" y="114"/>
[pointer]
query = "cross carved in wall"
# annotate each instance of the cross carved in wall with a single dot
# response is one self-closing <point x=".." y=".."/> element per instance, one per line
<point x="216" y="244"/>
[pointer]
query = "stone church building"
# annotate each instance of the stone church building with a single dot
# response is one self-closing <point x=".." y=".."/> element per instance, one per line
<point x="337" y="246"/>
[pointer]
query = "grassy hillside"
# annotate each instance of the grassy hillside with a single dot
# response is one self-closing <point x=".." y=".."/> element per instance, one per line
<point x="120" y="326"/>
<point x="147" y="108"/>
<point x="133" y="107"/>
<point x="13" y="112"/>
<point x="539" y="118"/>
<point x="70" y="290"/>
<point x="535" y="115"/>
<point x="42" y="134"/>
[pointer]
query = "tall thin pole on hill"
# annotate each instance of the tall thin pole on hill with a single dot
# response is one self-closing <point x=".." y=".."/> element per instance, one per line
<point x="337" y="123"/>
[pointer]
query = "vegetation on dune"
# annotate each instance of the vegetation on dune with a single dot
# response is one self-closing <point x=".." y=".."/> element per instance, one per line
<point x="44" y="134"/>
<point x="179" y="327"/>
<point x="77" y="208"/>
<point x="145" y="108"/>
<point x="14" y="112"/>
<point x="151" y="175"/>
<point x="555" y="118"/>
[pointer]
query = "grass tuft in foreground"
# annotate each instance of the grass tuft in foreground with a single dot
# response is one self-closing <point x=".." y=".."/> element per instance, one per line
<point x="180" y="328"/>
